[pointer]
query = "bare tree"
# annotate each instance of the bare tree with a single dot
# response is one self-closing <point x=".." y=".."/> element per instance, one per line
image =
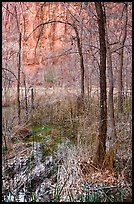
<point x="25" y="89"/>
<point x="79" y="45"/>
<point x="19" y="64"/>
<point x="18" y="84"/>
<point x="112" y="136"/>
<point x="121" y="53"/>
<point x="101" y="145"/>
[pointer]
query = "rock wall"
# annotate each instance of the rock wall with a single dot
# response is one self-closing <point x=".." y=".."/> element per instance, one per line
<point x="42" y="48"/>
<point x="43" y="43"/>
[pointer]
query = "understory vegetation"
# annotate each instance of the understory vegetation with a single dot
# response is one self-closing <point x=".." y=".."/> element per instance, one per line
<point x="68" y="134"/>
<point x="66" y="102"/>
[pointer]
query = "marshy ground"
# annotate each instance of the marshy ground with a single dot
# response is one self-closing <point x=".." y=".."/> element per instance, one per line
<point x="48" y="157"/>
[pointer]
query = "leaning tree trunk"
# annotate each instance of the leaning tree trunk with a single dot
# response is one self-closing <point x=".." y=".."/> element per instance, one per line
<point x="101" y="144"/>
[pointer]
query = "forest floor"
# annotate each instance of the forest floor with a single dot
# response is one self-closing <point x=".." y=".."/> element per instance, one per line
<point x="50" y="154"/>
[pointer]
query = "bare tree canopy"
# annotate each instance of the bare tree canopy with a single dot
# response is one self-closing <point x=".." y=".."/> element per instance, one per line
<point x="66" y="101"/>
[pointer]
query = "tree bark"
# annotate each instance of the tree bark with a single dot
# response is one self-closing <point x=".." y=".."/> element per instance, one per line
<point x="110" y="96"/>
<point x="18" y="82"/>
<point x="120" y="82"/>
<point x="25" y="89"/>
<point x="120" y="71"/>
<point x="19" y="64"/>
<point x="32" y="98"/>
<point x="101" y="144"/>
<point x="81" y="61"/>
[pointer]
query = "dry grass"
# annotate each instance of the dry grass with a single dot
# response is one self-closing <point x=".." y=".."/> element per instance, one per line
<point x="81" y="176"/>
<point x="64" y="111"/>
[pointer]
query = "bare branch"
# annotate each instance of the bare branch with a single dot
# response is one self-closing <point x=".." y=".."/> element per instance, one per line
<point x="5" y="69"/>
<point x="49" y="22"/>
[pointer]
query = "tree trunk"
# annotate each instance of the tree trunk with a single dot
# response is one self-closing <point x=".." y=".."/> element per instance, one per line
<point x="5" y="142"/>
<point x="25" y="89"/>
<point x="101" y="144"/>
<point x="120" y="82"/>
<point x="18" y="82"/>
<point x="80" y="99"/>
<point x="81" y="61"/>
<point x="111" y="87"/>
<point x="120" y="71"/>
<point x="32" y="98"/>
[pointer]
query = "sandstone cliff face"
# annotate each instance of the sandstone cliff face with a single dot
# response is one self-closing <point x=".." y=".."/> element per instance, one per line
<point x="43" y="42"/>
<point x="40" y="48"/>
<point x="50" y="48"/>
<point x="53" y="47"/>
